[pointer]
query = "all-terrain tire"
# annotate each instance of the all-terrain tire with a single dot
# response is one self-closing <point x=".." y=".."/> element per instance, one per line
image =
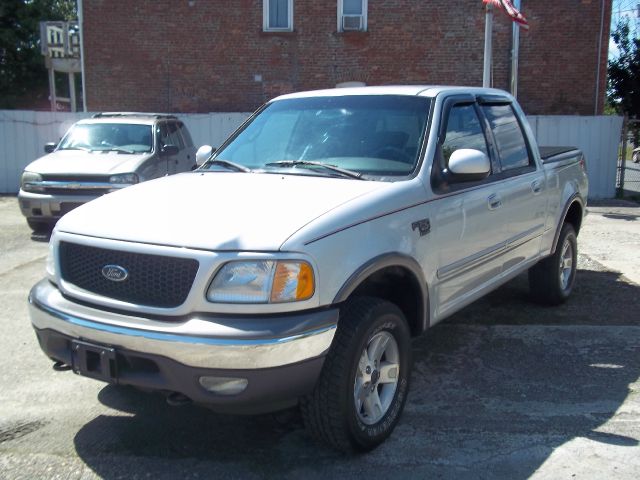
<point x="331" y="412"/>
<point x="551" y="280"/>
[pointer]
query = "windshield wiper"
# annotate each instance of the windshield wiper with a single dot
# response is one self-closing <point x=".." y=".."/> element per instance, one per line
<point x="230" y="165"/>
<point x="84" y="149"/>
<point x="342" y="171"/>
<point x="120" y="149"/>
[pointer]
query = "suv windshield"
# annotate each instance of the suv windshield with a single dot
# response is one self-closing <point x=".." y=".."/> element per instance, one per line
<point x="120" y="137"/>
<point x="371" y="135"/>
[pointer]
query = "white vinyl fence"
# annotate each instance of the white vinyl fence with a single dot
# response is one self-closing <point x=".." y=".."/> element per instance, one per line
<point x="24" y="133"/>
<point x="597" y="137"/>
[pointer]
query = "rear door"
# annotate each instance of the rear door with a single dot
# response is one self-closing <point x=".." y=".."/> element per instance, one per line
<point x="523" y="183"/>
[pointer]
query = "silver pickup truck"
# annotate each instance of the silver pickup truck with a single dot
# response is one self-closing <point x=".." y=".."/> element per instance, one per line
<point x="295" y="265"/>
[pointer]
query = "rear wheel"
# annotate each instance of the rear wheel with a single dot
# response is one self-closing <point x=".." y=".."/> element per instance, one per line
<point x="364" y="383"/>
<point x="551" y="280"/>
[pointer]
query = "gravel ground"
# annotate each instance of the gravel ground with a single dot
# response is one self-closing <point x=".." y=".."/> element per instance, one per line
<point x="503" y="389"/>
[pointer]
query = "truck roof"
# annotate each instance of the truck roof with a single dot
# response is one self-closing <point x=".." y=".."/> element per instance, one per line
<point x="127" y="117"/>
<point x="411" y="90"/>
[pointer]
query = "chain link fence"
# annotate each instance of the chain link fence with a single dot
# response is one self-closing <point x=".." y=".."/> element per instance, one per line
<point x="628" y="178"/>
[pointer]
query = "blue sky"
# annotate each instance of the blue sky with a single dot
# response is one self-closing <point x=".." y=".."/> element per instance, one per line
<point x="623" y="8"/>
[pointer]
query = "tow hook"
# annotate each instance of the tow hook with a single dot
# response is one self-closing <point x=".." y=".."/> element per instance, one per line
<point x="176" y="399"/>
<point x="61" y="366"/>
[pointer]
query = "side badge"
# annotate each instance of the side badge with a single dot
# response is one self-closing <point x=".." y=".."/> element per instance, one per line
<point x="423" y="226"/>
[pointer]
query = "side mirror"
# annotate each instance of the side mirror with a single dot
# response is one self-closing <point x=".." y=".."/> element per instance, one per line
<point x="169" y="150"/>
<point x="468" y="165"/>
<point x="203" y="154"/>
<point x="50" y="147"/>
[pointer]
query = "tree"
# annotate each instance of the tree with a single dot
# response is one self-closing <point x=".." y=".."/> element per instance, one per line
<point x="22" y="70"/>
<point x="623" y="89"/>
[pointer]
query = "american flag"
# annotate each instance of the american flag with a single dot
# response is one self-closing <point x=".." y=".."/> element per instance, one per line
<point x="508" y="8"/>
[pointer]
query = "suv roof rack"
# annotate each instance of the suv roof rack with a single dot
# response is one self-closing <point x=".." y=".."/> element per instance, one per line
<point x="133" y="114"/>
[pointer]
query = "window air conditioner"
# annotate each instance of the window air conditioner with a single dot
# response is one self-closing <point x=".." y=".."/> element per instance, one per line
<point x="351" y="22"/>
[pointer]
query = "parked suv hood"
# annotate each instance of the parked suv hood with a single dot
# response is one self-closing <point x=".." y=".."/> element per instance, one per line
<point x="79" y="162"/>
<point x="214" y="210"/>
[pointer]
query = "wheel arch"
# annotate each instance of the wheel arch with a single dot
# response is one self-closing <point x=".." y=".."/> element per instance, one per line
<point x="573" y="213"/>
<point x="395" y="277"/>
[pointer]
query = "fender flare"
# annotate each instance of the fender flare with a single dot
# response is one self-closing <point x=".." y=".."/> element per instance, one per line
<point x="386" y="260"/>
<point x="574" y="198"/>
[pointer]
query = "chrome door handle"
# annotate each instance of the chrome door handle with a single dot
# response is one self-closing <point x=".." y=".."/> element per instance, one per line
<point x="536" y="186"/>
<point x="494" y="201"/>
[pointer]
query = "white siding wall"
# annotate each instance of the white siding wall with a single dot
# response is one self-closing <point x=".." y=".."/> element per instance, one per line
<point x="24" y="133"/>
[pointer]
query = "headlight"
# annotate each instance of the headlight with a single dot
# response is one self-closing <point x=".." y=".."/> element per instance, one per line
<point x="29" y="182"/>
<point x="51" y="263"/>
<point x="262" y="281"/>
<point x="124" y="178"/>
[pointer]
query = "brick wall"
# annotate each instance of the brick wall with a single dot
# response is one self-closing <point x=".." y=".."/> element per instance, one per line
<point x="204" y="55"/>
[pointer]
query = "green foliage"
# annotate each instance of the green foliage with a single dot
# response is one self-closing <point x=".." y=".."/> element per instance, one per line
<point x="623" y="89"/>
<point x="22" y="69"/>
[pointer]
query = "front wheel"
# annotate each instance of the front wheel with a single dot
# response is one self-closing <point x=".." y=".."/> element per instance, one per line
<point x="364" y="382"/>
<point x="551" y="280"/>
<point x="40" y="227"/>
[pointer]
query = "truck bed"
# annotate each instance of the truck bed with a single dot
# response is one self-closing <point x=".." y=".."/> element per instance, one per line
<point x="557" y="154"/>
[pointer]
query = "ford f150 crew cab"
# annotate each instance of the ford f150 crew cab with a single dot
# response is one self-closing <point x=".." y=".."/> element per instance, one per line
<point x="298" y="261"/>
<point x="99" y="155"/>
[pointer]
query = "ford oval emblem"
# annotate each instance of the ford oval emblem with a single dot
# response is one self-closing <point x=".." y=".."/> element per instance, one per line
<point x="115" y="273"/>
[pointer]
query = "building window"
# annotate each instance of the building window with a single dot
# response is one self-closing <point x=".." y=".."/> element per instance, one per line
<point x="352" y="15"/>
<point x="278" y="15"/>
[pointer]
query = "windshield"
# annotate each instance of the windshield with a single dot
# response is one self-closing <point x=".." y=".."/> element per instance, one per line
<point x="96" y="137"/>
<point x="372" y="135"/>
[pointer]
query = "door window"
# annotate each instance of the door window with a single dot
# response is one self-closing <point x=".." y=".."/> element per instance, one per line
<point x="174" y="135"/>
<point x="463" y="131"/>
<point x="184" y="133"/>
<point x="163" y="135"/>
<point x="507" y="132"/>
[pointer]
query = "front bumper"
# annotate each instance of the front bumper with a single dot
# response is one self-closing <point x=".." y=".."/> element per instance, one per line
<point x="280" y="356"/>
<point x="48" y="207"/>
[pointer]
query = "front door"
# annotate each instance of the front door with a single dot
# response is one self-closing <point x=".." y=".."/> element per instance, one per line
<point x="468" y="217"/>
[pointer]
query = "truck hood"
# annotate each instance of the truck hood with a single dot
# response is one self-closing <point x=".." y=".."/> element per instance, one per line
<point x="79" y="162"/>
<point x="214" y="210"/>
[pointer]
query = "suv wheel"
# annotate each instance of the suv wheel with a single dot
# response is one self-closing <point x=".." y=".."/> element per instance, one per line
<point x="364" y="383"/>
<point x="551" y="280"/>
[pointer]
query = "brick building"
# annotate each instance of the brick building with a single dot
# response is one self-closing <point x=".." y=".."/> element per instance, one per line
<point x="232" y="55"/>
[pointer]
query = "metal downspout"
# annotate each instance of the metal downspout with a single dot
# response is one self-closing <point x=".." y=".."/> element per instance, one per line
<point x="599" y="56"/>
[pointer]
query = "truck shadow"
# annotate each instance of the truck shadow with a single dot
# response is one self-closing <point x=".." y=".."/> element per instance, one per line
<point x="495" y="390"/>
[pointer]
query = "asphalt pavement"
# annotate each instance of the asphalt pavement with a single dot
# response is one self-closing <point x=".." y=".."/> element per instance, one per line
<point x="505" y="389"/>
